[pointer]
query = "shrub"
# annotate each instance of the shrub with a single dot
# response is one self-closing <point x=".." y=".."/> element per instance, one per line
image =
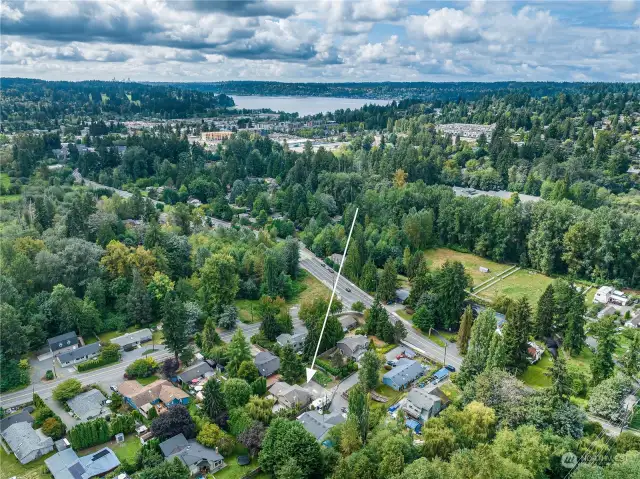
<point x="53" y="428"/>
<point x="67" y="390"/>
<point x="122" y="423"/>
<point x="49" y="375"/>
<point x="141" y="368"/>
<point x="358" y="306"/>
<point x="93" y="364"/>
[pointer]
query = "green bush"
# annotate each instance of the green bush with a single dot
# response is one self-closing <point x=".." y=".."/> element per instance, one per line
<point x="93" y="364"/>
<point x="67" y="390"/>
<point x="53" y="428"/>
<point x="141" y="368"/>
<point x="49" y="375"/>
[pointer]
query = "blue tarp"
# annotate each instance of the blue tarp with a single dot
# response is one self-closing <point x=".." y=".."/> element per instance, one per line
<point x="414" y="425"/>
<point x="394" y="407"/>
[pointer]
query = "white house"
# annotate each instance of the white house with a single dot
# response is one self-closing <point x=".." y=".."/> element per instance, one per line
<point x="606" y="295"/>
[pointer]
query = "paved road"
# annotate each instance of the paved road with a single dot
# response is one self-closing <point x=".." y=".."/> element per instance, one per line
<point x="311" y="263"/>
<point x="102" y="376"/>
<point x="414" y="337"/>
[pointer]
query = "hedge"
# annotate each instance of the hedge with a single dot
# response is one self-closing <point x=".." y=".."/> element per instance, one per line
<point x="93" y="364"/>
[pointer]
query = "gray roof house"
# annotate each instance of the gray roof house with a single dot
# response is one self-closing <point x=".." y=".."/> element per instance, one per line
<point x="25" y="443"/>
<point x="405" y="372"/>
<point x="266" y="363"/>
<point x="67" y="465"/>
<point x="318" y="424"/>
<point x="348" y="322"/>
<point x="296" y="339"/>
<point x="22" y="416"/>
<point x="80" y="354"/>
<point x="133" y="339"/>
<point x="87" y="405"/>
<point x="199" y="459"/>
<point x="422" y="404"/>
<point x="290" y="396"/>
<point x="196" y="371"/>
<point x="353" y="346"/>
<point x="62" y="343"/>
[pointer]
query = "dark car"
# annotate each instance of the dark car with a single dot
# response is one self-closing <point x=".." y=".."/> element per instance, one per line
<point x="450" y="368"/>
<point x="348" y="290"/>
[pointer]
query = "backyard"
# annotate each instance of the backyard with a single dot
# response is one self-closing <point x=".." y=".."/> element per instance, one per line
<point x="234" y="470"/>
<point x="11" y="467"/>
<point x="125" y="451"/>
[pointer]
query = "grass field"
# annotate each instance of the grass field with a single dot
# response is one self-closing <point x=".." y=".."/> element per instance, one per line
<point x="10" y="467"/>
<point x="125" y="451"/>
<point x="472" y="263"/>
<point x="536" y="374"/>
<point x="521" y="283"/>
<point x="309" y="289"/>
<point x="235" y="471"/>
<point x="9" y="198"/>
<point x="149" y="380"/>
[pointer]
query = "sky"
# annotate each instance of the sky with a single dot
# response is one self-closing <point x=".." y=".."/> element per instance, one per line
<point x="321" y="40"/>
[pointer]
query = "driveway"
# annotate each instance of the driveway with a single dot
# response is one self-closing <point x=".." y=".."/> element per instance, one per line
<point x="338" y="401"/>
<point x="65" y="417"/>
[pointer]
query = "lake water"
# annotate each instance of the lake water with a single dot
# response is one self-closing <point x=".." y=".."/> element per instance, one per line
<point x="303" y="105"/>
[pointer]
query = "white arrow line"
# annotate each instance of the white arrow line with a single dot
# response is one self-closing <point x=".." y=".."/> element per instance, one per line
<point x="311" y="371"/>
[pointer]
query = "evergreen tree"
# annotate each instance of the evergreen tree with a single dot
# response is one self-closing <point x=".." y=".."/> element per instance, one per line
<point x="516" y="335"/>
<point x="291" y="367"/>
<point x="369" y="276"/>
<point x="388" y="281"/>
<point x="210" y="337"/>
<point x="574" y="337"/>
<point x="238" y="351"/>
<point x="475" y="360"/>
<point x="545" y="313"/>
<point x="465" y="330"/>
<point x="425" y="317"/>
<point x="561" y="383"/>
<point x="174" y="324"/>
<point x="213" y="399"/>
<point x="631" y="359"/>
<point x="497" y="355"/>
<point x="138" y="302"/>
<point x="369" y="370"/>
<point x="359" y="410"/>
<point x="602" y="364"/>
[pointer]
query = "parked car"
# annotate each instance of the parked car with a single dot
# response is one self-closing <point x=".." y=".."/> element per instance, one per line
<point x="401" y="355"/>
<point x="114" y="388"/>
<point x="391" y="362"/>
<point x="450" y="368"/>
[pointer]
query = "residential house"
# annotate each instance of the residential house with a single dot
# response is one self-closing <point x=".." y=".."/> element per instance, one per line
<point x="88" y="405"/>
<point x="25" y="443"/>
<point x="336" y="258"/>
<point x="607" y="311"/>
<point x="195" y="372"/>
<point x="132" y="340"/>
<point x="402" y="295"/>
<point x="353" y="346"/>
<point x="348" y="322"/>
<point x="79" y="355"/>
<point x="64" y="343"/>
<point x="606" y="295"/>
<point x="440" y="375"/>
<point x="290" y="396"/>
<point x="423" y="404"/>
<point x="404" y="373"/>
<point x="266" y="363"/>
<point x="534" y="352"/>
<point x="318" y="424"/>
<point x="296" y="339"/>
<point x="634" y="322"/>
<point x="22" y="416"/>
<point x="159" y="394"/>
<point x="67" y="465"/>
<point x="199" y="459"/>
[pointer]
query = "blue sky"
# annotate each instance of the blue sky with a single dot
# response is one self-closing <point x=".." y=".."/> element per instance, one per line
<point x="321" y="40"/>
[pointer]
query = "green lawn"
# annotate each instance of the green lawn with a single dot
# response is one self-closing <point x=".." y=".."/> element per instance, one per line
<point x="535" y="375"/>
<point x="451" y="390"/>
<point x="11" y="467"/>
<point x="149" y="380"/>
<point x="404" y="315"/>
<point x="521" y="283"/>
<point x="125" y="451"/>
<point x="9" y="198"/>
<point x="5" y="181"/>
<point x="393" y="396"/>
<point x="471" y="262"/>
<point x="233" y="470"/>
<point x="308" y="288"/>
<point x="582" y="362"/>
<point x="321" y="378"/>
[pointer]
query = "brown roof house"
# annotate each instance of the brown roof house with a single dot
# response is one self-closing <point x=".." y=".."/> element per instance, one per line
<point x="158" y="394"/>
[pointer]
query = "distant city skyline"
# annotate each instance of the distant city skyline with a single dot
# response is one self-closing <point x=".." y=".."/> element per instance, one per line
<point x="321" y="41"/>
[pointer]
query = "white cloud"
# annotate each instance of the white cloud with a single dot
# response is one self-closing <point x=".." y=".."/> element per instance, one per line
<point x="622" y="6"/>
<point x="445" y="25"/>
